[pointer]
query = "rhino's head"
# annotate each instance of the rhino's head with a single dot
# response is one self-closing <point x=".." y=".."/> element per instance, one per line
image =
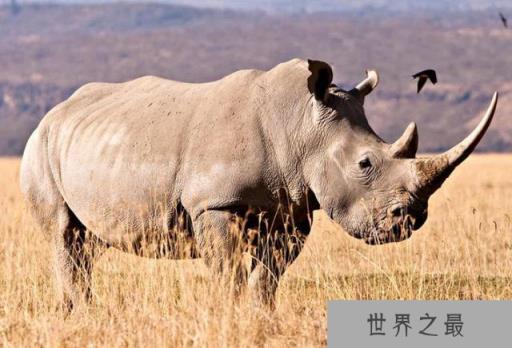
<point x="376" y="191"/>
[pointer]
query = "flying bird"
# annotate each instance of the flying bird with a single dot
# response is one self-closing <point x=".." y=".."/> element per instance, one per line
<point x="422" y="76"/>
<point x="503" y="20"/>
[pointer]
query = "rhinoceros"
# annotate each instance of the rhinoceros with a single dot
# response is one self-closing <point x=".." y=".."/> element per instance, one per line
<point x="220" y="169"/>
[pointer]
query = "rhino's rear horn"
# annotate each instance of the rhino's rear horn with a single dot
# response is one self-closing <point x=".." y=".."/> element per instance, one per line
<point x="366" y="86"/>
<point x="407" y="145"/>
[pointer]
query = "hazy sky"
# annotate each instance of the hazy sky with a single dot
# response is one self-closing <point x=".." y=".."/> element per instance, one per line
<point x="321" y="5"/>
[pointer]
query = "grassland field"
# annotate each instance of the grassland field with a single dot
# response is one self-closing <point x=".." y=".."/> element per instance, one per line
<point x="464" y="251"/>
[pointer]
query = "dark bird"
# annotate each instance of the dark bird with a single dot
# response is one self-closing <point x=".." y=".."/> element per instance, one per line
<point x="503" y="20"/>
<point x="423" y="76"/>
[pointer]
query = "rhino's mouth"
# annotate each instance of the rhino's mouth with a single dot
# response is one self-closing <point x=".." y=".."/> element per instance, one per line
<point x="397" y="232"/>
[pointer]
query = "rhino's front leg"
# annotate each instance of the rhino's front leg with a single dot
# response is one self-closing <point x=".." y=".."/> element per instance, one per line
<point x="274" y="255"/>
<point x="219" y="239"/>
<point x="263" y="283"/>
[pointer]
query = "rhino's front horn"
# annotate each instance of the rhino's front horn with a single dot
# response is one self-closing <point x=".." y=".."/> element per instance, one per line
<point x="434" y="170"/>
<point x="407" y="145"/>
<point x="366" y="86"/>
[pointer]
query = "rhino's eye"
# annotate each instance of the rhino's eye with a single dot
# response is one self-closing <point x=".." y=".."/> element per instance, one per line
<point x="365" y="163"/>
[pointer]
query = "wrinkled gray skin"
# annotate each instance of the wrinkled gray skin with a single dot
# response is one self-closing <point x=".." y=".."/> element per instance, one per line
<point x="125" y="165"/>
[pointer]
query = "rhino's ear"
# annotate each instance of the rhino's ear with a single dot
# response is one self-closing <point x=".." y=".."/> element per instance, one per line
<point x="320" y="79"/>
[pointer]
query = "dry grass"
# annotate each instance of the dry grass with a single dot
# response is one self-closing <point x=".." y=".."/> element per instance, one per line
<point x="463" y="252"/>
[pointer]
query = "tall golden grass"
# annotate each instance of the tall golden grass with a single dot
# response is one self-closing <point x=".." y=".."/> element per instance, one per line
<point x="462" y="252"/>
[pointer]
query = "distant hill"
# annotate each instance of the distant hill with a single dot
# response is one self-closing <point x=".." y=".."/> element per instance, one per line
<point x="50" y="50"/>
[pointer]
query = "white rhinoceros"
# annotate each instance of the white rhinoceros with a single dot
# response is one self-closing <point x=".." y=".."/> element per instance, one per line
<point x="165" y="168"/>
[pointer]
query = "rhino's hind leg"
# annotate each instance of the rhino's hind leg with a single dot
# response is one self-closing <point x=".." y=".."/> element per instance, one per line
<point x="75" y="250"/>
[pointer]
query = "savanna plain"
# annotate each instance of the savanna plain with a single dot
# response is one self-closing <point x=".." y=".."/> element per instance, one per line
<point x="464" y="251"/>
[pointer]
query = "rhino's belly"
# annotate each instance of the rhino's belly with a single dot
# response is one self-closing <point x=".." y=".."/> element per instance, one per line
<point x="132" y="213"/>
